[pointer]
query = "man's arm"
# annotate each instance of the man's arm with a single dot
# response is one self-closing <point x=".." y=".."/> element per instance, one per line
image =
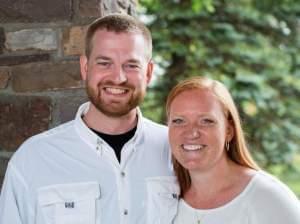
<point x="10" y="204"/>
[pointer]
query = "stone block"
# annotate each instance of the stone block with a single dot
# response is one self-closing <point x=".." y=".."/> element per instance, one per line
<point x="73" y="40"/>
<point x="109" y="6"/>
<point x="22" y="59"/>
<point x="124" y="4"/>
<point x="99" y="8"/>
<point x="69" y="104"/>
<point x="2" y="40"/>
<point x="3" y="166"/>
<point x="22" y="117"/>
<point x="131" y="10"/>
<point x="26" y="39"/>
<point x="90" y="8"/>
<point x="35" y="11"/>
<point x="134" y="3"/>
<point x="4" y="77"/>
<point x="45" y="76"/>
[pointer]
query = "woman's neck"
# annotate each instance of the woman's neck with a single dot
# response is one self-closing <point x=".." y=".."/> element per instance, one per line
<point x="217" y="186"/>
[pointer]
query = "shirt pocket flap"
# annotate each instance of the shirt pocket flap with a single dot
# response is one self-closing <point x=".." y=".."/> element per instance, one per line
<point x="162" y="199"/>
<point x="68" y="192"/>
<point x="164" y="186"/>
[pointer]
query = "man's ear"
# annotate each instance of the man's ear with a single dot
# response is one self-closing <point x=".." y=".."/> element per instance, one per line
<point x="149" y="71"/>
<point x="83" y="67"/>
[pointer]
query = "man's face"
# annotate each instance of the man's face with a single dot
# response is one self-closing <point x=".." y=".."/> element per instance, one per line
<point x="117" y="72"/>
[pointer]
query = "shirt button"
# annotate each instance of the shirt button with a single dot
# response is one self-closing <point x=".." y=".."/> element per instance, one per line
<point x="125" y="212"/>
<point x="123" y="174"/>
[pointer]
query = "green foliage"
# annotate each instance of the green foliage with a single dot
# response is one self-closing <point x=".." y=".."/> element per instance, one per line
<point x="289" y="174"/>
<point x="250" y="45"/>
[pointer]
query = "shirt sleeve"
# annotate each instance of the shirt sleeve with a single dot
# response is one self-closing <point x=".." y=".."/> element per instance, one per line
<point x="11" y="198"/>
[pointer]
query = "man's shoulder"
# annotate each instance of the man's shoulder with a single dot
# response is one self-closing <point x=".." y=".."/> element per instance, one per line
<point x="37" y="141"/>
<point x="55" y="132"/>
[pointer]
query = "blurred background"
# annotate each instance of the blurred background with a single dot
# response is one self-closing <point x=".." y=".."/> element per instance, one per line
<point x="253" y="47"/>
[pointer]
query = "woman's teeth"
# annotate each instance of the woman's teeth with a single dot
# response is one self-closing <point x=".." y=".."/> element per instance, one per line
<point x="192" y="147"/>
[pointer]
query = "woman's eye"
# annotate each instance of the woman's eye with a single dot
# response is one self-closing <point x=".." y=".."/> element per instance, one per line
<point x="207" y="121"/>
<point x="177" y="121"/>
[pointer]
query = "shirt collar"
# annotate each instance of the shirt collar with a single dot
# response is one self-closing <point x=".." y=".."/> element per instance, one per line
<point x="91" y="138"/>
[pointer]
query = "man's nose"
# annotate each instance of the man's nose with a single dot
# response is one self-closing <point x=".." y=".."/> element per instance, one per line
<point x="119" y="75"/>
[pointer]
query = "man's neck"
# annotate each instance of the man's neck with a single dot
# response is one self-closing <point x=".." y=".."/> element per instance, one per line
<point x="98" y="121"/>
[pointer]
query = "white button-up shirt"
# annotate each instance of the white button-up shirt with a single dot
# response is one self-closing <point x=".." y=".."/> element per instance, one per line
<point x="69" y="175"/>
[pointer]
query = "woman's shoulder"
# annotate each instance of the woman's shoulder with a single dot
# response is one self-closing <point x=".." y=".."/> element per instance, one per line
<point x="265" y="184"/>
<point x="272" y="198"/>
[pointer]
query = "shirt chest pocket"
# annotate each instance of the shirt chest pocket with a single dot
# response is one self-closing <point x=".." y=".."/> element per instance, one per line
<point x="68" y="203"/>
<point x="162" y="199"/>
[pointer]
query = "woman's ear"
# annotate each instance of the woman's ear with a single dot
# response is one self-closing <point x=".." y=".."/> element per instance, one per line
<point x="229" y="130"/>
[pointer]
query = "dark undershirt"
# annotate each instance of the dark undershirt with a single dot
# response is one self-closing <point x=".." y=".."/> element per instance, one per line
<point x="116" y="141"/>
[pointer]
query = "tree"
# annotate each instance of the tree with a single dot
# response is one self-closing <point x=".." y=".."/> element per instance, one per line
<point x="252" y="46"/>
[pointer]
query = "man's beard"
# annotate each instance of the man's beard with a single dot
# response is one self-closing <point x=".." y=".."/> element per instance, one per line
<point x="115" y="109"/>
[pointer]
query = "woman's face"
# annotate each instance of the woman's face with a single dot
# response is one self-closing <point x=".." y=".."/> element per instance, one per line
<point x="198" y="130"/>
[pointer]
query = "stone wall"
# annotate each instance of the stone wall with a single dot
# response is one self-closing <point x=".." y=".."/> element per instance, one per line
<point x="40" y="44"/>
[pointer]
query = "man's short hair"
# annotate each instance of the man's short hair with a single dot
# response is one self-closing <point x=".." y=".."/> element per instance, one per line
<point x="118" y="23"/>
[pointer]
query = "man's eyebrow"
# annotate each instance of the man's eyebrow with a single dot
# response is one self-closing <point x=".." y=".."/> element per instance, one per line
<point x="134" y="61"/>
<point x="105" y="58"/>
<point x="100" y="57"/>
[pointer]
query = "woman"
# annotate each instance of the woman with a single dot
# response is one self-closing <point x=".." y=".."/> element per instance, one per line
<point x="220" y="182"/>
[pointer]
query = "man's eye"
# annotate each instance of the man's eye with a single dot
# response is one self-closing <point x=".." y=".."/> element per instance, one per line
<point x="104" y="64"/>
<point x="132" y="66"/>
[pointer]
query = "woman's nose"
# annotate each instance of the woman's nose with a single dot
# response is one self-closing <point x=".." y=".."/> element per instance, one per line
<point x="194" y="133"/>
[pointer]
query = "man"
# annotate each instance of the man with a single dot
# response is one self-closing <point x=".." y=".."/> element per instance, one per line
<point x="109" y="165"/>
